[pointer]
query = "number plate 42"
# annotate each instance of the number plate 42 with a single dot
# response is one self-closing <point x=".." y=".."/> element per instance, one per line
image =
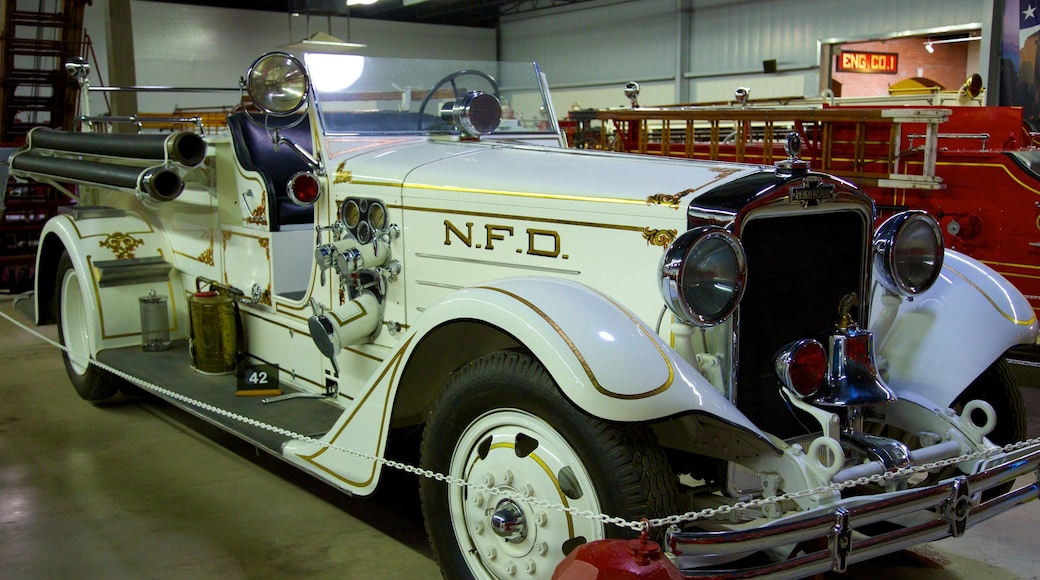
<point x="258" y="380"/>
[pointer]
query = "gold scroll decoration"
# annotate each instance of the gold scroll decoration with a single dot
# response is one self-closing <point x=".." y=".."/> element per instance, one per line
<point x="122" y="245"/>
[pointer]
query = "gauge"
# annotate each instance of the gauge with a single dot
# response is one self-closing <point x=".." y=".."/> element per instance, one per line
<point x="350" y="213"/>
<point x="377" y="215"/>
<point x="363" y="233"/>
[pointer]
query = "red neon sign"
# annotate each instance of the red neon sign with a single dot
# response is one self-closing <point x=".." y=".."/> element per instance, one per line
<point x="868" y="62"/>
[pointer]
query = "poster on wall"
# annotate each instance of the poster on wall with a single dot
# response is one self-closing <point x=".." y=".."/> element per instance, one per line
<point x="1019" y="67"/>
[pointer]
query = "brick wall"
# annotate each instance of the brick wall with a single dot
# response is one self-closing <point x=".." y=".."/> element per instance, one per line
<point x="949" y="65"/>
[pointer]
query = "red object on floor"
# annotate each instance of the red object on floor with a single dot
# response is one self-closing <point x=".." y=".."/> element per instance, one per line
<point x="617" y="559"/>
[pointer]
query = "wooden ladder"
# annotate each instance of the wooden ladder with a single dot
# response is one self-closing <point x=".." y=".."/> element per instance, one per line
<point x="38" y="38"/>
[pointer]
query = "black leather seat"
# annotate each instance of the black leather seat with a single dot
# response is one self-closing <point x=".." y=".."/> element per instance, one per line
<point x="256" y="152"/>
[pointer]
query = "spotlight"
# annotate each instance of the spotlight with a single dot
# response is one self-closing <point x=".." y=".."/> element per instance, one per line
<point x="928" y="46"/>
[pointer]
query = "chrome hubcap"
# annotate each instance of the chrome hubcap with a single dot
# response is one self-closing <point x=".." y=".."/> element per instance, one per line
<point x="509" y="521"/>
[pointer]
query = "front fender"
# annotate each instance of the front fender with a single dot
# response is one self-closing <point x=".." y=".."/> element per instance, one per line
<point x="602" y="356"/>
<point x="946" y="337"/>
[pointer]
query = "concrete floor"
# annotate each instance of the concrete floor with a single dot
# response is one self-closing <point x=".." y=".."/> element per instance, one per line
<point x="139" y="489"/>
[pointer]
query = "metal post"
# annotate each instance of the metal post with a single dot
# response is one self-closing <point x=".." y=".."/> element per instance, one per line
<point x="121" y="66"/>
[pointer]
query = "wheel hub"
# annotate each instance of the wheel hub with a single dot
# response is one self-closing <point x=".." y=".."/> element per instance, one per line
<point x="509" y="522"/>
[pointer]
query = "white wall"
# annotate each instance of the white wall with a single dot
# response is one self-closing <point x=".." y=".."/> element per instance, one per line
<point x="197" y="46"/>
<point x="705" y="49"/>
<point x="700" y="49"/>
<point x="590" y="50"/>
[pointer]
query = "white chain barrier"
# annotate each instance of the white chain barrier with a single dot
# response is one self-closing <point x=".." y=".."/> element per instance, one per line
<point x="638" y="526"/>
<point x="1024" y="363"/>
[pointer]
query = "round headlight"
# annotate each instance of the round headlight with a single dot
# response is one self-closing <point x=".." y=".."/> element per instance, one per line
<point x="908" y="252"/>
<point x="477" y="113"/>
<point x="277" y="83"/>
<point x="703" y="274"/>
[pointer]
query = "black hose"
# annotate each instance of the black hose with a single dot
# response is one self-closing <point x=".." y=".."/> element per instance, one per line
<point x="183" y="147"/>
<point x="161" y="183"/>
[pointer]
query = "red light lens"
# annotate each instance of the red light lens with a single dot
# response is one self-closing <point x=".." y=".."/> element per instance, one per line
<point x="304" y="189"/>
<point x="808" y="368"/>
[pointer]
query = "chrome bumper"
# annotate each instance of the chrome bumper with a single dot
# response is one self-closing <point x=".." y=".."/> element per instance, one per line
<point x="925" y="514"/>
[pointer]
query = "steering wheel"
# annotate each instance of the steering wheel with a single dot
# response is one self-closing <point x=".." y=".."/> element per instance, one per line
<point x="454" y="88"/>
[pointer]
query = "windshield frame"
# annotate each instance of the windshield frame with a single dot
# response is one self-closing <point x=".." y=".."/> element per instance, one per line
<point x="363" y="95"/>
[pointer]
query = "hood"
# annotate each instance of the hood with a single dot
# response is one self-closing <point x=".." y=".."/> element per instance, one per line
<point x="517" y="176"/>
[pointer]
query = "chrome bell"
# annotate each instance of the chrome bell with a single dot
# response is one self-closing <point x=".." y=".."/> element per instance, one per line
<point x="853" y="379"/>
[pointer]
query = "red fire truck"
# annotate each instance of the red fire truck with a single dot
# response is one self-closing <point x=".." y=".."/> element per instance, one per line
<point x="976" y="169"/>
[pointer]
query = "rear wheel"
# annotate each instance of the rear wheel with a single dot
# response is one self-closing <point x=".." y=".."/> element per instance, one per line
<point x="501" y="421"/>
<point x="72" y="315"/>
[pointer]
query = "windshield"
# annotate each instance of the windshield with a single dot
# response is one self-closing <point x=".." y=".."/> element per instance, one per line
<point x="359" y="94"/>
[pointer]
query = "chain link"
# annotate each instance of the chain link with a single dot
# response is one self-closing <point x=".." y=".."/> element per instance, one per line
<point x="1024" y="363"/>
<point x="639" y="525"/>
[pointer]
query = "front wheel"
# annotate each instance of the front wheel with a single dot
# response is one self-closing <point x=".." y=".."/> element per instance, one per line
<point x="999" y="387"/>
<point x="91" y="383"/>
<point x="501" y="421"/>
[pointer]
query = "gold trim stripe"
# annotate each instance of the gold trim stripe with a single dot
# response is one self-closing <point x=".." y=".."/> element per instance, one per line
<point x="522" y="218"/>
<point x="506" y="193"/>
<point x="530" y="194"/>
<point x="1007" y="316"/>
<point x="101" y="309"/>
<point x="992" y="263"/>
<point x="581" y="359"/>
<point x="394" y="364"/>
<point x="989" y="165"/>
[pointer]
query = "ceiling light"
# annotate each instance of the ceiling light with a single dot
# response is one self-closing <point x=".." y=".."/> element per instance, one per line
<point x="321" y="42"/>
<point x="360" y="2"/>
<point x="928" y="45"/>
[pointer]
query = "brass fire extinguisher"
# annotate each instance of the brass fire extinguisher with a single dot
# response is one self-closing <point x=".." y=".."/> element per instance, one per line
<point x="214" y="329"/>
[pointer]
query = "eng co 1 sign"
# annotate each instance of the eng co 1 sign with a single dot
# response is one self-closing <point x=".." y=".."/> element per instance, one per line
<point x="868" y="62"/>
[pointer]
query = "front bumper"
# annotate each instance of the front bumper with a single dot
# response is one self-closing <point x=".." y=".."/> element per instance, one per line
<point x="827" y="534"/>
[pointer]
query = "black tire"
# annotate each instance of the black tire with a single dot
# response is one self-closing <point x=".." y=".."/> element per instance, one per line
<point x="502" y="416"/>
<point x="91" y="383"/>
<point x="999" y="387"/>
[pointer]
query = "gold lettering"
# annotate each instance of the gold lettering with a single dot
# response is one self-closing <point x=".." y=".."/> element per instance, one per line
<point x="531" y="250"/>
<point x="492" y="236"/>
<point x="450" y="228"/>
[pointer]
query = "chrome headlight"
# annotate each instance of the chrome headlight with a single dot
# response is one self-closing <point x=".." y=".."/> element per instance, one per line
<point x="703" y="274"/>
<point x="277" y="82"/>
<point x="908" y="252"/>
<point x="476" y="113"/>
